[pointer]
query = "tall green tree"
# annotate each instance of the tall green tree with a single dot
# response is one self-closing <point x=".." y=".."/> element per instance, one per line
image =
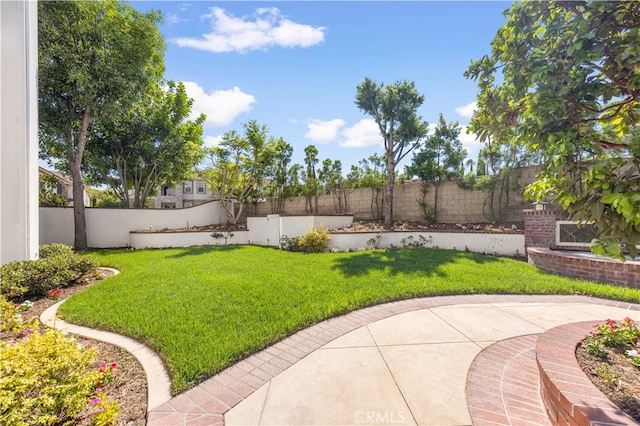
<point x="310" y="182"/>
<point x="94" y="57"/>
<point x="237" y="167"/>
<point x="335" y="183"/>
<point x="563" y="77"/>
<point x="371" y="173"/>
<point x="278" y="186"/>
<point x="152" y="143"/>
<point x="441" y="157"/>
<point x="394" y="108"/>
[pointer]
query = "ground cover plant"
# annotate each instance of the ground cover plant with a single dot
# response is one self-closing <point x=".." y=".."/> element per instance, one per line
<point x="203" y="308"/>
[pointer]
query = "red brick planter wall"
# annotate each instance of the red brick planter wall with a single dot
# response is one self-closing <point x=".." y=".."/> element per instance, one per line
<point x="540" y="228"/>
<point x="585" y="266"/>
<point x="568" y="394"/>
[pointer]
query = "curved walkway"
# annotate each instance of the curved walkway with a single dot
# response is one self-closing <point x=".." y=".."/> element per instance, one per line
<point x="403" y="362"/>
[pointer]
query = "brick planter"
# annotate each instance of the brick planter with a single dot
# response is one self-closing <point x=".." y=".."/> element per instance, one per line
<point x="567" y="393"/>
<point x="586" y="266"/>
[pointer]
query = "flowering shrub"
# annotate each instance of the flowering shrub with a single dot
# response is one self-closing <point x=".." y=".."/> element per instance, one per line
<point x="44" y="380"/>
<point x="53" y="294"/>
<point x="623" y="334"/>
<point x="10" y="317"/>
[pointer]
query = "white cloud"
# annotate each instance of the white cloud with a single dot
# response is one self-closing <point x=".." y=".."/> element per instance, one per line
<point x="470" y="143"/>
<point x="466" y="111"/>
<point x="324" y="131"/>
<point x="171" y="19"/>
<point x="211" y="141"/>
<point x="220" y="106"/>
<point x="364" y="133"/>
<point x="270" y="28"/>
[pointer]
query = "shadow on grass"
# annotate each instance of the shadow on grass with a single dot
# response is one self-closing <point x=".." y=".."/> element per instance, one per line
<point x="405" y="261"/>
<point x="202" y="250"/>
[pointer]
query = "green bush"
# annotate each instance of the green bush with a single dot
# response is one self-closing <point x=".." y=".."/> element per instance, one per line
<point x="316" y="240"/>
<point x="290" y="244"/>
<point x="59" y="267"/>
<point x="27" y="278"/>
<point x="44" y="379"/>
<point x="54" y="250"/>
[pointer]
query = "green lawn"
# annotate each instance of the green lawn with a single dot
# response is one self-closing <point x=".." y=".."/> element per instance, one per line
<point x="203" y="308"/>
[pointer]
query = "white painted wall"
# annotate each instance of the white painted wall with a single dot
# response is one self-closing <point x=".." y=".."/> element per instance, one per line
<point x="111" y="227"/>
<point x="502" y="244"/>
<point x="18" y="130"/>
<point x="185" y="239"/>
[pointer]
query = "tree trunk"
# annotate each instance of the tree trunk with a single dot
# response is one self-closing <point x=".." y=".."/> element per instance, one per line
<point x="75" y="166"/>
<point x="435" y="201"/>
<point x="79" y="221"/>
<point x="388" y="193"/>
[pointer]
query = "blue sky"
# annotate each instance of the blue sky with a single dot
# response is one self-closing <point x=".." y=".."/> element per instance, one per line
<point x="294" y="66"/>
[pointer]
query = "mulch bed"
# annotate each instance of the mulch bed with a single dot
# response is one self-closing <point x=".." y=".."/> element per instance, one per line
<point x="623" y="386"/>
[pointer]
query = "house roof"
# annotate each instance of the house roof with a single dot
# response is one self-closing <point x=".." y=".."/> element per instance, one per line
<point x="61" y="177"/>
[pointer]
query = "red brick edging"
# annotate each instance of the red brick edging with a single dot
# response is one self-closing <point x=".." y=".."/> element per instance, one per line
<point x="567" y="392"/>
<point x="503" y="385"/>
<point x="586" y="267"/>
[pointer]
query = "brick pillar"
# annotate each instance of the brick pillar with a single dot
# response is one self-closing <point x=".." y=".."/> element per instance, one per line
<point x="539" y="228"/>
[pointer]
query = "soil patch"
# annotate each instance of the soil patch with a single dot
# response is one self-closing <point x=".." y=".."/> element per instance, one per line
<point x="615" y="376"/>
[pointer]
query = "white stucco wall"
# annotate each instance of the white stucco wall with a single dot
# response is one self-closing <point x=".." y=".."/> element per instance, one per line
<point x="185" y="239"/>
<point x="111" y="227"/>
<point x="502" y="244"/>
<point x="18" y="130"/>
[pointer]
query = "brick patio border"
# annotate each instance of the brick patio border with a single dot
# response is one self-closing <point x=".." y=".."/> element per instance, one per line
<point x="503" y="385"/>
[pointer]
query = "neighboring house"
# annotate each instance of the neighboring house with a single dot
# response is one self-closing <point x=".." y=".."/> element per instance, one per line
<point x="65" y="185"/>
<point x="187" y="194"/>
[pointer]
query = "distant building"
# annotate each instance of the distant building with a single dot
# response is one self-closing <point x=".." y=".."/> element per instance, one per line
<point x="187" y="194"/>
<point x="65" y="185"/>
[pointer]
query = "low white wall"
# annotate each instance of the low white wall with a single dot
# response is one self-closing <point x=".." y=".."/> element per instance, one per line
<point x="296" y="226"/>
<point x="114" y="228"/>
<point x="502" y="244"/>
<point x="111" y="227"/>
<point x="186" y="239"/>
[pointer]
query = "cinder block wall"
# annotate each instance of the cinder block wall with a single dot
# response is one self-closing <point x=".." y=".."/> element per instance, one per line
<point x="455" y="205"/>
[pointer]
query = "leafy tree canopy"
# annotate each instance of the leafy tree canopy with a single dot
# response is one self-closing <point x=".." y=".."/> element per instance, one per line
<point x="394" y="108"/>
<point x="152" y="143"/>
<point x="563" y="79"/>
<point x="237" y="167"/>
<point x="94" y="58"/>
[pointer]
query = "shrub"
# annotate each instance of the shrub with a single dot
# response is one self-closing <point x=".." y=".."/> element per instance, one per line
<point x="35" y="277"/>
<point x="316" y="240"/>
<point x="54" y="250"/>
<point x="11" y="319"/>
<point x="289" y="243"/>
<point x="623" y="334"/>
<point x="44" y="379"/>
<point x="58" y="267"/>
